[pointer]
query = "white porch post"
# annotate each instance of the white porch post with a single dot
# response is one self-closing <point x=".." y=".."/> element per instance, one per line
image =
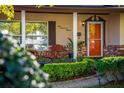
<point x="75" y="35"/>
<point x="23" y="23"/>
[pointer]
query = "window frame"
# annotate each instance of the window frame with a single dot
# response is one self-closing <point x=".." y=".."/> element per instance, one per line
<point x="20" y="35"/>
<point x="9" y="21"/>
<point x="39" y="35"/>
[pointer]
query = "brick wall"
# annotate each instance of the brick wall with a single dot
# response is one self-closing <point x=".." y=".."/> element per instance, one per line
<point x="114" y="50"/>
<point x="111" y="50"/>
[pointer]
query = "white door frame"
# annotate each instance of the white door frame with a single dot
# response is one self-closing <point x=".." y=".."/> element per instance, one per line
<point x="95" y="22"/>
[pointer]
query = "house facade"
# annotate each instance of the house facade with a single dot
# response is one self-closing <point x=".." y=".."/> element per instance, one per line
<point x="100" y="28"/>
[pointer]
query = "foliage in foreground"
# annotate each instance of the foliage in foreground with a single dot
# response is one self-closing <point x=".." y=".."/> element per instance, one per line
<point x="18" y="68"/>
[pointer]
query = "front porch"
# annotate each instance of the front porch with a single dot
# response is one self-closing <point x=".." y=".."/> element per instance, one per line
<point x="83" y="32"/>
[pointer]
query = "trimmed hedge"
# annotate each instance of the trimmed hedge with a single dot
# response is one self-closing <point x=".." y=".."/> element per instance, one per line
<point x="64" y="71"/>
<point x="113" y="65"/>
<point x="110" y="64"/>
<point x="90" y="66"/>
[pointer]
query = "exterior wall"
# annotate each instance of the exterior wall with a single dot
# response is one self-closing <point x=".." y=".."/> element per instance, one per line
<point x="63" y="20"/>
<point x="122" y="29"/>
<point x="114" y="25"/>
<point x="116" y="29"/>
<point x="113" y="32"/>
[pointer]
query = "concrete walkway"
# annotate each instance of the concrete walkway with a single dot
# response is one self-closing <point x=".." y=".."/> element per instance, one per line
<point x="90" y="81"/>
<point x="79" y="83"/>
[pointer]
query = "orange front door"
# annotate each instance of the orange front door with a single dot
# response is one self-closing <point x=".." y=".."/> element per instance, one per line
<point x="95" y="39"/>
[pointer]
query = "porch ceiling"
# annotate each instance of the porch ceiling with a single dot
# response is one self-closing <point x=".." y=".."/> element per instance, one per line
<point x="69" y="9"/>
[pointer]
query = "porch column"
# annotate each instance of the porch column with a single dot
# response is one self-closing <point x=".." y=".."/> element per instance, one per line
<point x="75" y="35"/>
<point x="23" y="33"/>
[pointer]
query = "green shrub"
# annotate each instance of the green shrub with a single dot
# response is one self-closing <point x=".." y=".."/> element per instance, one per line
<point x="56" y="60"/>
<point x="90" y="66"/>
<point x="113" y="65"/>
<point x="64" y="71"/>
<point x="18" y="68"/>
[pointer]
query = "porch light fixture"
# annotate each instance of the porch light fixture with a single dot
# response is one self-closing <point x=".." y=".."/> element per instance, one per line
<point x="82" y="23"/>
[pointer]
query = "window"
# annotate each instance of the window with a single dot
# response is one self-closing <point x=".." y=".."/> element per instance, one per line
<point x="11" y="29"/>
<point x="37" y="35"/>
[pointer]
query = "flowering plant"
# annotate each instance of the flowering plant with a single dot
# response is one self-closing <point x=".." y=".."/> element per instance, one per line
<point x="18" y="68"/>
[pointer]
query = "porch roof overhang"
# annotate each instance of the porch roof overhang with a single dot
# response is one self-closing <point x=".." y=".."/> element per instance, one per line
<point x="69" y="9"/>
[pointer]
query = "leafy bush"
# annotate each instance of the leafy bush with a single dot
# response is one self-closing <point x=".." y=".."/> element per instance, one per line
<point x="90" y="66"/>
<point x="59" y="60"/>
<point x="64" y="71"/>
<point x="61" y="71"/>
<point x="113" y="65"/>
<point x="56" y="60"/>
<point x="18" y="68"/>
